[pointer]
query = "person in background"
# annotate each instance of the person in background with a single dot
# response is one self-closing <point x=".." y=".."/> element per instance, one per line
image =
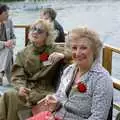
<point x="86" y="89"/>
<point x="50" y="15"/>
<point x="33" y="71"/>
<point x="7" y="43"/>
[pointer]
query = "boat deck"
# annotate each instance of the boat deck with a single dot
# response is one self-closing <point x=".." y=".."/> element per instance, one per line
<point x="107" y="63"/>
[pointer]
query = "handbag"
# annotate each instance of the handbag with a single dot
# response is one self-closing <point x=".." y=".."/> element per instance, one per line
<point x="45" y="115"/>
<point x="41" y="111"/>
<point x="41" y="116"/>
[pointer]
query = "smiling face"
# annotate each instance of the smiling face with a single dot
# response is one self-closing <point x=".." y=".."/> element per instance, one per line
<point x="38" y="34"/>
<point x="82" y="51"/>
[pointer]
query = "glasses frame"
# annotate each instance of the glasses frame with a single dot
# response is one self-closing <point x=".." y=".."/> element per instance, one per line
<point x="38" y="30"/>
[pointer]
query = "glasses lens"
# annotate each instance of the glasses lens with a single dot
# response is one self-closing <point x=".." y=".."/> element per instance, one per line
<point x="38" y="30"/>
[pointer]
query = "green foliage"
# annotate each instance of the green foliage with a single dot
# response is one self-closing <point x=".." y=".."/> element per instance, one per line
<point x="10" y="0"/>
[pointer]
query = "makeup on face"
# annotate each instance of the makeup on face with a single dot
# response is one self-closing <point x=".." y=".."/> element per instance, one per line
<point x="38" y="30"/>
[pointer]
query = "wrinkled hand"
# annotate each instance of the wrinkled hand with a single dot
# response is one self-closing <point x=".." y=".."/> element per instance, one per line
<point x="50" y="99"/>
<point x="51" y="102"/>
<point x="55" y="57"/>
<point x="23" y="91"/>
<point x="9" y="43"/>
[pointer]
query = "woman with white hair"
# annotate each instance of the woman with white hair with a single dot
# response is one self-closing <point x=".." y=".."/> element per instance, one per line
<point x="33" y="72"/>
<point x="86" y="89"/>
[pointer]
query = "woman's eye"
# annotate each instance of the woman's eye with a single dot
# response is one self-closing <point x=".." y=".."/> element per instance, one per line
<point x="74" y="48"/>
<point x="83" y="47"/>
<point x="33" y="28"/>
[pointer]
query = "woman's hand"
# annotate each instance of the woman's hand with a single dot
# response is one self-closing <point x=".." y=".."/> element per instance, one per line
<point x="49" y="102"/>
<point x="49" y="99"/>
<point x="55" y="57"/>
<point x="9" y="43"/>
<point x="23" y="91"/>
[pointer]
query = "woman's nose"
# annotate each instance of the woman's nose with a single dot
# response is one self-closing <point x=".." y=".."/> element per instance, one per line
<point x="34" y="32"/>
<point x="78" y="52"/>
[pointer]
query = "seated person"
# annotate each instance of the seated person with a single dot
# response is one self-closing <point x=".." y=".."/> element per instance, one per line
<point x="50" y="15"/>
<point x="33" y="72"/>
<point x="86" y="89"/>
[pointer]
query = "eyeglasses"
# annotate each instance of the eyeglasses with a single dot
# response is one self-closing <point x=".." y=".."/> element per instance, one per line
<point x="38" y="30"/>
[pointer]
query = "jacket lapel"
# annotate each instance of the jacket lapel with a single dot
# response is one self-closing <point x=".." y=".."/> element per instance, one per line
<point x="68" y="89"/>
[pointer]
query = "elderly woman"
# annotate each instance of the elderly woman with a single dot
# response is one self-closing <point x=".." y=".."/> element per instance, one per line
<point x="85" y="91"/>
<point x="33" y="72"/>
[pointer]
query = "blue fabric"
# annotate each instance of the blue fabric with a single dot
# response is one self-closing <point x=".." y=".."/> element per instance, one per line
<point x="5" y="88"/>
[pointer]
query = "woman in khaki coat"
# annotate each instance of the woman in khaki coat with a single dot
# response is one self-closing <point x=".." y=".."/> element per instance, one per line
<point x="33" y="71"/>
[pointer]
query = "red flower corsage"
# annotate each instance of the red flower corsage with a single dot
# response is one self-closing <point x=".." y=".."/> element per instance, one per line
<point x="44" y="57"/>
<point x="81" y="87"/>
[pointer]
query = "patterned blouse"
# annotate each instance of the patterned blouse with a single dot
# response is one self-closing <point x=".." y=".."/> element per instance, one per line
<point x="93" y="104"/>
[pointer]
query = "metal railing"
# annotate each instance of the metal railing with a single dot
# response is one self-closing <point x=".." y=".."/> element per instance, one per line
<point x="106" y="59"/>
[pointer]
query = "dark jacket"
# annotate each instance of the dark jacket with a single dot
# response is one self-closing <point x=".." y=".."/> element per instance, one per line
<point x="59" y="28"/>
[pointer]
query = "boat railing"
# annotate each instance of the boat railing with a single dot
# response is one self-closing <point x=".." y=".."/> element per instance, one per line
<point x="26" y="29"/>
<point x="106" y="59"/>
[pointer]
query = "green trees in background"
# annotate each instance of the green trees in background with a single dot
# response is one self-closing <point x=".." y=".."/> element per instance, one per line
<point x="10" y="0"/>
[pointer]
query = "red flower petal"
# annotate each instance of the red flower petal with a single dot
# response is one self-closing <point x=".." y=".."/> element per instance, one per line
<point x="44" y="57"/>
<point x="81" y="87"/>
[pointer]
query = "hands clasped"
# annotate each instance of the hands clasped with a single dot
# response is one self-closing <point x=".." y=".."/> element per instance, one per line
<point x="9" y="44"/>
<point x="50" y="102"/>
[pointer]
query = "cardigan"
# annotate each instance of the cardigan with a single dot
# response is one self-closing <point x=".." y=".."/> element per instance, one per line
<point x="94" y="104"/>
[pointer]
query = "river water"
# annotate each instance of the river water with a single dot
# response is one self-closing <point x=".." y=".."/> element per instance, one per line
<point x="104" y="17"/>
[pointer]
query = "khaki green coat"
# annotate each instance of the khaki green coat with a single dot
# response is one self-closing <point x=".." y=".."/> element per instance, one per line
<point x="28" y="71"/>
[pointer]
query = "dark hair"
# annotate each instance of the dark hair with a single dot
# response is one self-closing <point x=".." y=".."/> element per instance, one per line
<point x="3" y="8"/>
<point x="52" y="13"/>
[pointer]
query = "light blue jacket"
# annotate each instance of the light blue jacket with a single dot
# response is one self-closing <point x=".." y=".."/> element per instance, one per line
<point x="94" y="104"/>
